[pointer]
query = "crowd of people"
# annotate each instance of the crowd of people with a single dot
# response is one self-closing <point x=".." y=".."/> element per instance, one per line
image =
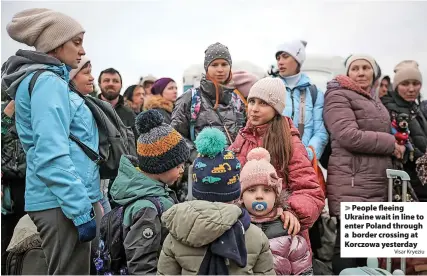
<point x="224" y="179"/>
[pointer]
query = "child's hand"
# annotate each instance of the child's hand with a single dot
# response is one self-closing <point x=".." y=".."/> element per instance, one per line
<point x="291" y="223"/>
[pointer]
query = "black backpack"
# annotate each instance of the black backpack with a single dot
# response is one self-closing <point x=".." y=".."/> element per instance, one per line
<point x="111" y="255"/>
<point x="115" y="139"/>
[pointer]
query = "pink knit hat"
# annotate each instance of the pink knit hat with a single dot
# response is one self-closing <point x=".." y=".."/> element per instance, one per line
<point x="243" y="81"/>
<point x="259" y="171"/>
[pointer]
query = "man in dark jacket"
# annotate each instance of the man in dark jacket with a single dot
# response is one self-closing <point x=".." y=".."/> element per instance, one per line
<point x="110" y="84"/>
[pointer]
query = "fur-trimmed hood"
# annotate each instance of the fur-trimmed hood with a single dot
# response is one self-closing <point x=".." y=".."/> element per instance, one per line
<point x="157" y="101"/>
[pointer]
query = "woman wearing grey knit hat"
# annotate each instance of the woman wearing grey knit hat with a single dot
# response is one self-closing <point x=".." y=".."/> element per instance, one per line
<point x="62" y="183"/>
<point x="215" y="103"/>
<point x="404" y="99"/>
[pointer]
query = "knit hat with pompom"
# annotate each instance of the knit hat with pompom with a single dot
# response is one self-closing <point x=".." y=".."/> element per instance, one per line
<point x="215" y="170"/>
<point x="259" y="171"/>
<point x="160" y="148"/>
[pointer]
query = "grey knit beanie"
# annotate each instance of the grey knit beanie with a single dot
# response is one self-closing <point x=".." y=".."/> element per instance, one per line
<point x="43" y="29"/>
<point x="160" y="147"/>
<point x="216" y="51"/>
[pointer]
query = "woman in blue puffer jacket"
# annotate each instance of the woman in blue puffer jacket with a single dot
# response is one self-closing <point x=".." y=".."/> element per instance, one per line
<point x="290" y="56"/>
<point x="62" y="183"/>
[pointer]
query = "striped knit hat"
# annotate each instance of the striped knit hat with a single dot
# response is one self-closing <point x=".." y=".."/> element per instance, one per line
<point x="160" y="148"/>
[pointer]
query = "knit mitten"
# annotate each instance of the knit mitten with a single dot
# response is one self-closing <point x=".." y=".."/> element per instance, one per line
<point x="87" y="231"/>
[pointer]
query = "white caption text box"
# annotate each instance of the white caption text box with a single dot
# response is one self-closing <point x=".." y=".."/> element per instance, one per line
<point x="388" y="229"/>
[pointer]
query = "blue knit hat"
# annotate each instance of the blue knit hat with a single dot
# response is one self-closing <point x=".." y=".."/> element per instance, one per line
<point x="216" y="170"/>
<point x="160" y="148"/>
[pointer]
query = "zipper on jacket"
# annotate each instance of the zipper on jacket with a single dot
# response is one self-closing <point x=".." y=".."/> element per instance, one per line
<point x="353" y="173"/>
<point x="15" y="166"/>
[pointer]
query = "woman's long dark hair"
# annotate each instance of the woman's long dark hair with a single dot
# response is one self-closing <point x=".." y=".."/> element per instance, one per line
<point x="278" y="142"/>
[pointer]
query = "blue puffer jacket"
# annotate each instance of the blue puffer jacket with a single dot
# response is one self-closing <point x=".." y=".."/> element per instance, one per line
<point x="315" y="133"/>
<point x="59" y="174"/>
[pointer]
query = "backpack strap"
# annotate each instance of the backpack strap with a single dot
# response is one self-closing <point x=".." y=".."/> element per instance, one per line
<point x="93" y="155"/>
<point x="35" y="77"/>
<point x="301" y="122"/>
<point x="156" y="202"/>
<point x="303" y="96"/>
<point x="313" y="92"/>
<point x="245" y="102"/>
<point x="194" y="111"/>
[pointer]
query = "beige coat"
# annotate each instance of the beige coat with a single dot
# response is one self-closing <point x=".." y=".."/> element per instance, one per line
<point x="194" y="225"/>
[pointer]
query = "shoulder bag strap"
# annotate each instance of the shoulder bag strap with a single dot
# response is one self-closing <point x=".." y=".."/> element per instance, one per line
<point x="301" y="123"/>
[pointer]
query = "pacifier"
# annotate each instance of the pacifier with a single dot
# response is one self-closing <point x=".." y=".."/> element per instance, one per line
<point x="259" y="206"/>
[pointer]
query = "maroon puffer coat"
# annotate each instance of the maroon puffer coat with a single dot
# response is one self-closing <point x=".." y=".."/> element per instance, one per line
<point x="361" y="142"/>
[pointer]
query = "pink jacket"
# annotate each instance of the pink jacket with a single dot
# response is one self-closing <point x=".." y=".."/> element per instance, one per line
<point x="291" y="254"/>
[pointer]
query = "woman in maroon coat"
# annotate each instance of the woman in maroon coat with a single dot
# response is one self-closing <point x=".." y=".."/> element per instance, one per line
<point x="361" y="142"/>
<point x="267" y="128"/>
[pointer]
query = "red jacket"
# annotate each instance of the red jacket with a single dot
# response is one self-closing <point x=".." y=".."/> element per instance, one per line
<point x="307" y="199"/>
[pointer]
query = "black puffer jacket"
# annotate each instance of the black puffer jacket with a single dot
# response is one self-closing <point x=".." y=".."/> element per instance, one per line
<point x="233" y="117"/>
<point x="13" y="163"/>
<point x="232" y="113"/>
<point x="418" y="135"/>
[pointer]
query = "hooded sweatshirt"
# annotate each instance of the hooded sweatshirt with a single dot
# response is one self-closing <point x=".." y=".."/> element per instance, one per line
<point x="196" y="226"/>
<point x="59" y="173"/>
<point x="143" y="231"/>
<point x="19" y="66"/>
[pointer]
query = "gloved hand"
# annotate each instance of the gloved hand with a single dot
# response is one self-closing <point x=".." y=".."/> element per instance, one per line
<point x="87" y="231"/>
